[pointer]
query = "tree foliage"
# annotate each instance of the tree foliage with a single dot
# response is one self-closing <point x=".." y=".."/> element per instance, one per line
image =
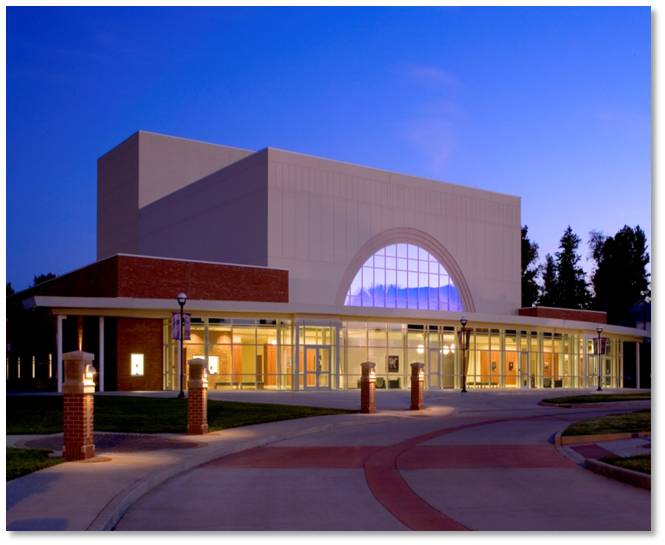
<point x="572" y="287"/>
<point x="548" y="292"/>
<point x="564" y="283"/>
<point x="41" y="278"/>
<point x="620" y="280"/>
<point x="10" y="289"/>
<point x="530" y="269"/>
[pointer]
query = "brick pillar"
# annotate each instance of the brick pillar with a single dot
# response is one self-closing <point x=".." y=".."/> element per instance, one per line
<point x="78" y="397"/>
<point x="417" y="386"/>
<point x="197" y="397"/>
<point x="368" y="388"/>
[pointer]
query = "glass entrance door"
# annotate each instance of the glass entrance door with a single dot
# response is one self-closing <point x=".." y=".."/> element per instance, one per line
<point x="317" y="367"/>
<point x="434" y="369"/>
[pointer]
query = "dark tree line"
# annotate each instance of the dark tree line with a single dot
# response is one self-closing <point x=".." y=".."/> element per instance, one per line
<point x="37" y="279"/>
<point x="618" y="283"/>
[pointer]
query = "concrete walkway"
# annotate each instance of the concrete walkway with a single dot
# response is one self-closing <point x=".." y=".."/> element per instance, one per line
<point x="481" y="461"/>
<point x="622" y="448"/>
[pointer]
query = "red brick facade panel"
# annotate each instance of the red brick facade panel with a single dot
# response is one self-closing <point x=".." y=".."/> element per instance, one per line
<point x="140" y="336"/>
<point x="165" y="278"/>
<point x="153" y="278"/>
<point x="594" y="316"/>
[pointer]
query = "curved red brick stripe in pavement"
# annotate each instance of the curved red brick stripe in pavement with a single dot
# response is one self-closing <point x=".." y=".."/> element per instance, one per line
<point x="396" y="496"/>
<point x="418" y="457"/>
<point x="382" y="464"/>
<point x="393" y="492"/>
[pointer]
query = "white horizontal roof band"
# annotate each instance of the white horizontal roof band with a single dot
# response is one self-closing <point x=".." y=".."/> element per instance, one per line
<point x="367" y="313"/>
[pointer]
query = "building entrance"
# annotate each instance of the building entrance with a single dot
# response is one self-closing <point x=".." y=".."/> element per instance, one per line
<point x="441" y="368"/>
<point x="317" y="367"/>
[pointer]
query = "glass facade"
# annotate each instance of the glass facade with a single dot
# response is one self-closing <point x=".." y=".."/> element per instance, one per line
<point x="403" y="276"/>
<point x="299" y="353"/>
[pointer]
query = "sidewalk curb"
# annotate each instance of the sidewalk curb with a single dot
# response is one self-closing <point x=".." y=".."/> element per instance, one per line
<point x="117" y="506"/>
<point x="565" y="440"/>
<point x="567" y="453"/>
<point x="628" y="476"/>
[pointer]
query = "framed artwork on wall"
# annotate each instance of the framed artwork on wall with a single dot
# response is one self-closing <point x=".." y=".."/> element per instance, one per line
<point x="393" y="364"/>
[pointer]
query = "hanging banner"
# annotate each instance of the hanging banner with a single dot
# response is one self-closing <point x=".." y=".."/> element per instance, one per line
<point x="603" y="345"/>
<point x="175" y="326"/>
<point x="464" y="341"/>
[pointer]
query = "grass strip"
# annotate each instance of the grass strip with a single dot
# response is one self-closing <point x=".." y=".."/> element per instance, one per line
<point x="21" y="461"/>
<point x="131" y="414"/>
<point x="615" y="423"/>
<point x="641" y="463"/>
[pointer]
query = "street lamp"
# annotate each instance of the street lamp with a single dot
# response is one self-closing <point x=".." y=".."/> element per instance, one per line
<point x="182" y="299"/>
<point x="463" y="343"/>
<point x="599" y="330"/>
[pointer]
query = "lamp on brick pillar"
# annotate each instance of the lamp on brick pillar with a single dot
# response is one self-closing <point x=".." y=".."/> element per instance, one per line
<point x="78" y="405"/>
<point x="599" y="330"/>
<point x="417" y="386"/>
<point x="182" y="299"/>
<point x="367" y="387"/>
<point x="197" y="400"/>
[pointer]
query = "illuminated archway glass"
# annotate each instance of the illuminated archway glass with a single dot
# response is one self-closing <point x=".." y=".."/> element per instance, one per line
<point x="403" y="276"/>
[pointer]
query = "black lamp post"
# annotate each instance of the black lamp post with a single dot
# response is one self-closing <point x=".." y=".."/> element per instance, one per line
<point x="599" y="330"/>
<point x="463" y="321"/>
<point x="182" y="299"/>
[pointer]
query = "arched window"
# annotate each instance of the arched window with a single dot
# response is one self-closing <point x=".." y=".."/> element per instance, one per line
<point x="403" y="276"/>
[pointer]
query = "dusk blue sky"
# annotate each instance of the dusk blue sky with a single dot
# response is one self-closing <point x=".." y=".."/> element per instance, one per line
<point x="551" y="104"/>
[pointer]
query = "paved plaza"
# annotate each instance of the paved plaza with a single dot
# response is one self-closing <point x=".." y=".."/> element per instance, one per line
<point x="475" y="461"/>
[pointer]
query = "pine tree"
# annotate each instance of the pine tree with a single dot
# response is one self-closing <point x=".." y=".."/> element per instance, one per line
<point x="548" y="292"/>
<point x="572" y="288"/>
<point x="529" y="271"/>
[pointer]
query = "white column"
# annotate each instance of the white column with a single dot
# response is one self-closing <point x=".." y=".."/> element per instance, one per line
<point x="205" y="342"/>
<point x="59" y="355"/>
<point x="620" y="379"/>
<point x="296" y="359"/>
<point x="101" y="353"/>
<point x="637" y="363"/>
<point x="335" y="380"/>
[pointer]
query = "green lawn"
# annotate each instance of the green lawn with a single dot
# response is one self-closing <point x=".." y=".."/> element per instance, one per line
<point x="21" y="461"/>
<point x="598" y="398"/>
<point x="641" y="463"/>
<point x="616" y="423"/>
<point x="43" y="414"/>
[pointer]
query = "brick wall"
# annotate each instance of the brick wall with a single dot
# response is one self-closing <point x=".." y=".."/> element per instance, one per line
<point x="140" y="336"/>
<point x="197" y="410"/>
<point x="165" y="278"/>
<point x="155" y="278"/>
<point x="594" y="316"/>
<point x="78" y="425"/>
